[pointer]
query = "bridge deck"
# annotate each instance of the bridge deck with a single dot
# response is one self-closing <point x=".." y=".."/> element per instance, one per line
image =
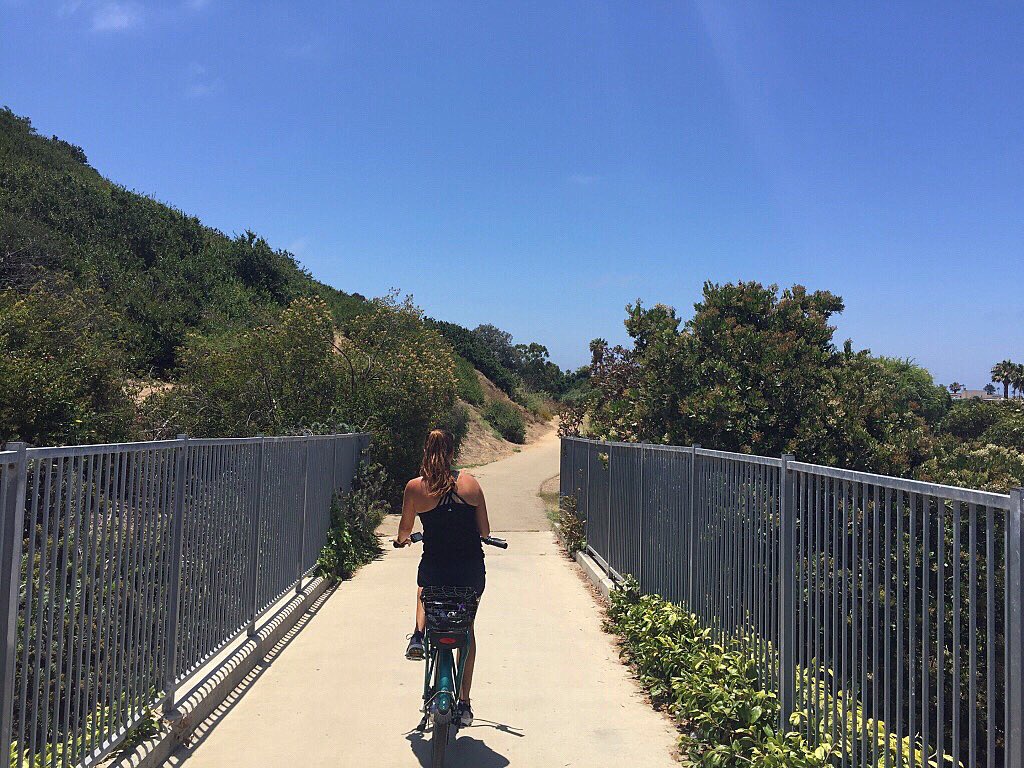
<point x="550" y="690"/>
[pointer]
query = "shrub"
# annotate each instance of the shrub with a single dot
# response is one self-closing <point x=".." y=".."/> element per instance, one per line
<point x="570" y="526"/>
<point x="62" y="368"/>
<point x="352" y="539"/>
<point x="506" y="420"/>
<point x="467" y="383"/>
<point x="537" y="404"/>
<point x="457" y="422"/>
<point x="710" y="689"/>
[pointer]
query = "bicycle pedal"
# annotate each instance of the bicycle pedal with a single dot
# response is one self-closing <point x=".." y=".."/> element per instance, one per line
<point x="423" y="725"/>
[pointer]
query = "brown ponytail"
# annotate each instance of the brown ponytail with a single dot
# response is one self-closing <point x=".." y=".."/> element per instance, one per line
<point x="438" y="455"/>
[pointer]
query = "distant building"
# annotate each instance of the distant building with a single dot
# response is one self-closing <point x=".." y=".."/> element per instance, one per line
<point x="976" y="394"/>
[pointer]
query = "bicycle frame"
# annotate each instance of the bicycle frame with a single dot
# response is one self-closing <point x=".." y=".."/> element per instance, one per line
<point x="442" y="679"/>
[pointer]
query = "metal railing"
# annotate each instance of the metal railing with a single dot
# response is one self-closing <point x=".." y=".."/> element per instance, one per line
<point x="888" y="612"/>
<point x="127" y="567"/>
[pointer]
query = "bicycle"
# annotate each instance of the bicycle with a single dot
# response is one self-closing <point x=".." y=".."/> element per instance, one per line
<point x="450" y="613"/>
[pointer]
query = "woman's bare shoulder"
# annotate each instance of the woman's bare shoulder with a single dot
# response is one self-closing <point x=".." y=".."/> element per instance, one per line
<point x="469" y="484"/>
<point x="414" y="486"/>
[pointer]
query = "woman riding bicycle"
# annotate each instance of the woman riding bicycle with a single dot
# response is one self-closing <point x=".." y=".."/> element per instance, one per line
<point x="453" y="513"/>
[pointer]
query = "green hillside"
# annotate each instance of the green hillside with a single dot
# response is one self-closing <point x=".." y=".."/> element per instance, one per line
<point x="163" y="271"/>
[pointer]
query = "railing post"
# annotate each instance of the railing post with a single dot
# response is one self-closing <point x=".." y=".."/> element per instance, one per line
<point x="334" y="464"/>
<point x="302" y="527"/>
<point x="787" y="591"/>
<point x="174" y="583"/>
<point x="12" y="507"/>
<point x="608" y="518"/>
<point x="1015" y="629"/>
<point x="254" y="579"/>
<point x="692" y="531"/>
<point x="641" y="506"/>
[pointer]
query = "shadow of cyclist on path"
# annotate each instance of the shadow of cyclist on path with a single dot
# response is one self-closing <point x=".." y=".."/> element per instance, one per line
<point x="465" y="752"/>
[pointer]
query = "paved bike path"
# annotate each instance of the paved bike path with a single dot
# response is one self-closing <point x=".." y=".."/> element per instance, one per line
<point x="550" y="690"/>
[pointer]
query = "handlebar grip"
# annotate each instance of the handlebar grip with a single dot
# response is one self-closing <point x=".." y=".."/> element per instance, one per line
<point x="495" y="542"/>
<point x="416" y="538"/>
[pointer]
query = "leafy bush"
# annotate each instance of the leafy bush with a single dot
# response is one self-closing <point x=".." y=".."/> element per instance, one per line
<point x="467" y="383"/>
<point x="457" y="422"/>
<point x="62" y="368"/>
<point x="352" y="539"/>
<point x="711" y="690"/>
<point x="386" y="374"/>
<point x="537" y="404"/>
<point x="506" y="420"/>
<point x="570" y="526"/>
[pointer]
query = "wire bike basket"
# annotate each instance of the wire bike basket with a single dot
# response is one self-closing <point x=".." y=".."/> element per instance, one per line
<point x="450" y="609"/>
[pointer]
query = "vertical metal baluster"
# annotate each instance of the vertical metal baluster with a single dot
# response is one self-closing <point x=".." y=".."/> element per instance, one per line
<point x="956" y="700"/>
<point x="925" y="631"/>
<point x="990" y="629"/>
<point x="1015" y="630"/>
<point x="940" y="622"/>
<point x="98" y="687"/>
<point x="129" y="598"/>
<point x="63" y="469"/>
<point x="865" y="594"/>
<point x="81" y="673"/>
<point x="900" y="731"/>
<point x="846" y="636"/>
<point x="12" y="507"/>
<point x="787" y="602"/>
<point x="912" y="634"/>
<point x="857" y="634"/>
<point x="887" y="607"/>
<point x="30" y="522"/>
<point x="67" y="655"/>
<point x="254" y="542"/>
<point x="875" y="638"/>
<point x="835" y="588"/>
<point x="122" y="636"/>
<point x="181" y="472"/>
<point x="302" y="527"/>
<point x="972" y="635"/>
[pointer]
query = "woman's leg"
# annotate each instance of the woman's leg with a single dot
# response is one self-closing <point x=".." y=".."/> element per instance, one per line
<point x="467" y="673"/>
<point x="421" y="614"/>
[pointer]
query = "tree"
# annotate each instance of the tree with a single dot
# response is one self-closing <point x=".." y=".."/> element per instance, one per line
<point x="956" y="387"/>
<point x="1003" y="373"/>
<point x="1017" y="378"/>
<point x="755" y="370"/>
<point x="500" y="344"/>
<point x="990" y="389"/>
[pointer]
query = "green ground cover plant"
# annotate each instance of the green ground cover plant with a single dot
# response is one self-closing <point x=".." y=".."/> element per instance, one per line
<point x="352" y="539"/>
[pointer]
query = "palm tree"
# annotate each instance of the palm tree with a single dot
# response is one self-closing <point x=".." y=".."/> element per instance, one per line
<point x="956" y="387"/>
<point x="990" y="389"/>
<point x="1017" y="378"/>
<point x="1003" y="373"/>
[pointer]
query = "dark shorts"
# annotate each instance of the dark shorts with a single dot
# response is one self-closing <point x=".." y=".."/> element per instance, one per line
<point x="430" y="576"/>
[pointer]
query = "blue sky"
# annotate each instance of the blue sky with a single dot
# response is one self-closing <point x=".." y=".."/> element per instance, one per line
<point x="539" y="165"/>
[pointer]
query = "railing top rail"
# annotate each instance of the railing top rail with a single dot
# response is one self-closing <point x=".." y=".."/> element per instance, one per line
<point x="747" y="457"/>
<point x="952" y="493"/>
<point x="50" y="452"/>
<point x="949" y="492"/>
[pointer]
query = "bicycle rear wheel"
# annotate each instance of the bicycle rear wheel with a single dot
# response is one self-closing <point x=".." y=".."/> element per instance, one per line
<point x="440" y="735"/>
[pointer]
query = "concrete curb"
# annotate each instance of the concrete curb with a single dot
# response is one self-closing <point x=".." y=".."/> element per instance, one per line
<point x="596" y="574"/>
<point x="208" y="694"/>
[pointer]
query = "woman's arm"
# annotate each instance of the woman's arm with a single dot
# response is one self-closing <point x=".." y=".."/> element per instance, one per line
<point x="481" y="512"/>
<point x="408" y="514"/>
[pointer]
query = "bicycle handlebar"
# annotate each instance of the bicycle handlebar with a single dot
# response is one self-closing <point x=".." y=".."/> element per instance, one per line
<point x="417" y="537"/>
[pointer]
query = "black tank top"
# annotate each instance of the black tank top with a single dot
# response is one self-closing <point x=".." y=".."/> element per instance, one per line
<point x="451" y="541"/>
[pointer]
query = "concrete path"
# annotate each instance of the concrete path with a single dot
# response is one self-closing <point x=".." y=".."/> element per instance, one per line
<point x="550" y="690"/>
